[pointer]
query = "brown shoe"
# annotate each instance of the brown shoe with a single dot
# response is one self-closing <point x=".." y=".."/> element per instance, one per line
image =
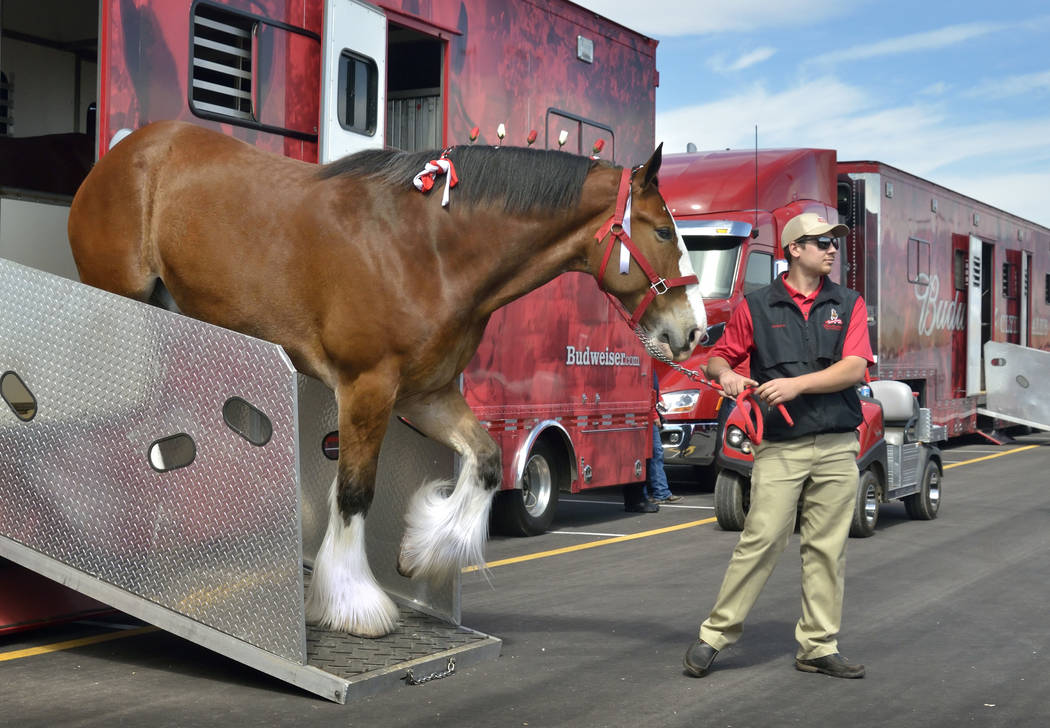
<point x="669" y="499"/>
<point x="835" y="665"/>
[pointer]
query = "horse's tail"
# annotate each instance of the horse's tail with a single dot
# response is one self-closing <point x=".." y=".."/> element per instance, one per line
<point x="110" y="218"/>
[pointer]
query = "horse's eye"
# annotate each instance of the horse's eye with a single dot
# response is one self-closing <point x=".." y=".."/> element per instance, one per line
<point x="665" y="233"/>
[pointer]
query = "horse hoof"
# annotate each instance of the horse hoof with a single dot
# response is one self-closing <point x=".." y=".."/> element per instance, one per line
<point x="403" y="570"/>
<point x="375" y="623"/>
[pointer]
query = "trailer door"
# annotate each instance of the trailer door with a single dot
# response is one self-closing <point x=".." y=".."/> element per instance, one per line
<point x="353" y="78"/>
<point x="1026" y="266"/>
<point x="973" y="319"/>
<point x="980" y="311"/>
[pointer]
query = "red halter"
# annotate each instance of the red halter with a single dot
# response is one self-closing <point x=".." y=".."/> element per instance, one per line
<point x="614" y="228"/>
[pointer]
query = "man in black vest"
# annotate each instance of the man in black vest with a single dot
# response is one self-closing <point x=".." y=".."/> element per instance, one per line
<point x="808" y="342"/>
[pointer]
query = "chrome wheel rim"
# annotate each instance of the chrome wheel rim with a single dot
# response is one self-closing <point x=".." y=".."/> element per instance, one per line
<point x="871" y="503"/>
<point x="537" y="485"/>
<point x="935" y="487"/>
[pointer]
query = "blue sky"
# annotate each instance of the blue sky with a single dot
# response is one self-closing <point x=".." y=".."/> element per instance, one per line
<point x="956" y="92"/>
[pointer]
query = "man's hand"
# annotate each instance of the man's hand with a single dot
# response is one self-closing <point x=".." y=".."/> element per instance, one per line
<point x="733" y="383"/>
<point x="779" y="391"/>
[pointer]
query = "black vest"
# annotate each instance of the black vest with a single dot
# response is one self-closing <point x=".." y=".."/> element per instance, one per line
<point x="787" y="345"/>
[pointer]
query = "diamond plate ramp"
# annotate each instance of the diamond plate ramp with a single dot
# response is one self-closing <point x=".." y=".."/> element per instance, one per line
<point x="214" y="550"/>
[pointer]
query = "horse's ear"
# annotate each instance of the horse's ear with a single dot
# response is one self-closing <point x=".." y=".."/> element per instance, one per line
<point x="652" y="167"/>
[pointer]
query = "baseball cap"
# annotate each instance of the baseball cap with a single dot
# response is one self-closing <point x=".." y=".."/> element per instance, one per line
<point x="810" y="223"/>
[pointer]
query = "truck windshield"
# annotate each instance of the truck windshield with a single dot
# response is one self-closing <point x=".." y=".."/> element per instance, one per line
<point x="714" y="258"/>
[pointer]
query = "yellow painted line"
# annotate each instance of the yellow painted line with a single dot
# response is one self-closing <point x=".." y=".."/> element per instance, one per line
<point x="682" y="526"/>
<point x="71" y="644"/>
<point x="990" y="457"/>
<point x="591" y="545"/>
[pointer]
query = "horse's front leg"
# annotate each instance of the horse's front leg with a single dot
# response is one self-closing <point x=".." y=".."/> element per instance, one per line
<point x="446" y="526"/>
<point x="344" y="595"/>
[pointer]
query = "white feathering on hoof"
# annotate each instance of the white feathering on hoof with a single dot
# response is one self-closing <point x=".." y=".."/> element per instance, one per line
<point x="344" y="595"/>
<point x="445" y="532"/>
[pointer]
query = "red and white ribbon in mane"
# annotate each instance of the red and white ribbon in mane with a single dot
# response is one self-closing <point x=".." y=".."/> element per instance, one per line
<point x="442" y="165"/>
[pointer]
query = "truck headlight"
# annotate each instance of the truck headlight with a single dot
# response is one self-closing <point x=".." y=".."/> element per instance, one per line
<point x="679" y="402"/>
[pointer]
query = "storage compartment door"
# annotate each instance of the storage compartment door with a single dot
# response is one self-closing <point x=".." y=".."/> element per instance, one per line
<point x="353" y="78"/>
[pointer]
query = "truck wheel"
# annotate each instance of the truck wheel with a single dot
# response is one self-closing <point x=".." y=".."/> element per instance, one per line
<point x="923" y="506"/>
<point x="529" y="511"/>
<point x="732" y="499"/>
<point x="866" y="510"/>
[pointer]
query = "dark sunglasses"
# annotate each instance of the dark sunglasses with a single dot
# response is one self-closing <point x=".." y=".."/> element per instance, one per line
<point x="823" y="241"/>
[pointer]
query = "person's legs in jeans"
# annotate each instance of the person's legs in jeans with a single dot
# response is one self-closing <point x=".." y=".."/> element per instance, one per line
<point x="656" y="479"/>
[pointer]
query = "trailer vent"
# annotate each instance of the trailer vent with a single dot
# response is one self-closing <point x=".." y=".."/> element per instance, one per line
<point x="222" y="62"/>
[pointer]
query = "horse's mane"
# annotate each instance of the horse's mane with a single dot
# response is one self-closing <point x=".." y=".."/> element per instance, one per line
<point x="525" y="180"/>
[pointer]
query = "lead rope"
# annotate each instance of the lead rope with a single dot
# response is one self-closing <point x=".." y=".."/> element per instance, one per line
<point x="754" y="426"/>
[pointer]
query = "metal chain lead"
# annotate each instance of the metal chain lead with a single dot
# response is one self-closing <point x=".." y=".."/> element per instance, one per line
<point x="656" y="353"/>
<point x="413" y="680"/>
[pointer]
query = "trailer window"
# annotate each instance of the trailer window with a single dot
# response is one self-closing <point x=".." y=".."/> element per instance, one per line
<point x="715" y="259"/>
<point x="959" y="270"/>
<point x="845" y="203"/>
<point x="918" y="261"/>
<point x="759" y="271"/>
<point x="572" y="133"/>
<point x="358" y="93"/>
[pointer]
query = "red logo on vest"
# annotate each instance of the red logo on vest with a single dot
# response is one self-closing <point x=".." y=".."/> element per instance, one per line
<point x="834" y="323"/>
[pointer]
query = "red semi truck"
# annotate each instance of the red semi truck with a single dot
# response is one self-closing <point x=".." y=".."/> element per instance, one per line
<point x="563" y="386"/>
<point x="942" y="275"/>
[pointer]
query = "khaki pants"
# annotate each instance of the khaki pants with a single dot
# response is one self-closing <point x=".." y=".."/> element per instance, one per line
<point x="823" y="469"/>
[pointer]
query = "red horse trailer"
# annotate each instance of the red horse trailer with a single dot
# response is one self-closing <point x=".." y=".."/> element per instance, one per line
<point x="943" y="275"/>
<point x="561" y="383"/>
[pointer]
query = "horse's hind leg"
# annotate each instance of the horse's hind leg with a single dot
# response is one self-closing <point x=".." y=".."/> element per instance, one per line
<point x="446" y="531"/>
<point x="109" y="227"/>
<point x="344" y="595"/>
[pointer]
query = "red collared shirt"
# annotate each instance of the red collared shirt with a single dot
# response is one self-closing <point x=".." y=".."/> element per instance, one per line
<point x="736" y="342"/>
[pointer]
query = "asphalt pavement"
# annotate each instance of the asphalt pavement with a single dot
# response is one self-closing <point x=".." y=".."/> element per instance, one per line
<point x="949" y="616"/>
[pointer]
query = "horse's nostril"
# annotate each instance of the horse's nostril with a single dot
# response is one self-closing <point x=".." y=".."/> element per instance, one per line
<point x="696" y="336"/>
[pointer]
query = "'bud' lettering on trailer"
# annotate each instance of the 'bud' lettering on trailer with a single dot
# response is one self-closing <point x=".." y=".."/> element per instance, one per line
<point x="936" y="313"/>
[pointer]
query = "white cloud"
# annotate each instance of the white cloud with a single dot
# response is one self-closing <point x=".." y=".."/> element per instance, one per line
<point x="925" y="138"/>
<point x="1002" y="88"/>
<point x="935" y="89"/>
<point x="718" y="63"/>
<point x="667" y="18"/>
<point x="916" y="42"/>
<point x="782" y="117"/>
<point x="1022" y="194"/>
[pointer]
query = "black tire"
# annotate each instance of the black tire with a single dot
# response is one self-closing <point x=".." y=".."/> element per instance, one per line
<point x="866" y="510"/>
<point x="924" y="505"/>
<point x="529" y="511"/>
<point x="732" y="499"/>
